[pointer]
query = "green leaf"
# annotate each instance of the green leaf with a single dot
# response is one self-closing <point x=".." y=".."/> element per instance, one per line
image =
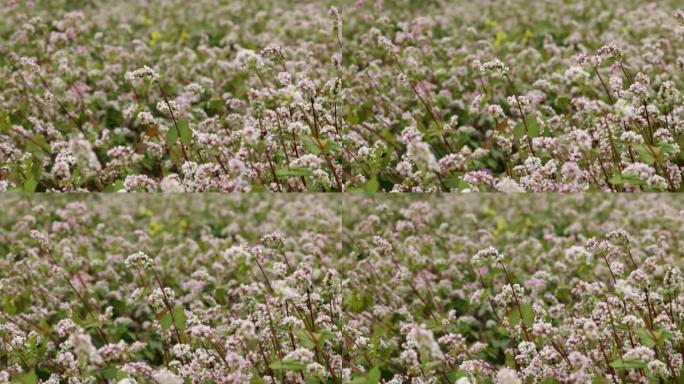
<point x="165" y="321"/>
<point x="624" y="179"/>
<point x="185" y="131"/>
<point x="287" y="365"/>
<point x="310" y="145"/>
<point x="171" y="136"/>
<point x="532" y="127"/>
<point x="646" y="338"/>
<point x="373" y="376"/>
<point x="433" y="132"/>
<point x="113" y="118"/>
<point x="5" y="123"/>
<point x="527" y="314"/>
<point x="563" y="103"/>
<point x="23" y="301"/>
<point x="8" y="307"/>
<point x="37" y="170"/>
<point x="599" y="380"/>
<point x="564" y="294"/>
<point x="37" y="144"/>
<point x="293" y="171"/>
<point x="220" y="295"/>
<point x="628" y="363"/>
<point x="514" y="317"/>
<point x="179" y="316"/>
<point x="215" y="106"/>
<point x="455" y="375"/>
<point x="463" y="185"/>
<point x="317" y="146"/>
<point x="304" y="338"/>
<point x="27" y="378"/>
<point x="365" y="111"/>
<point x="519" y="131"/>
<point x="532" y="130"/>
<point x="452" y="181"/>
<point x="30" y="185"/>
<point x="371" y="186"/>
<point x="115" y="187"/>
<point x="644" y="154"/>
<point x="667" y="148"/>
<point x="324" y="336"/>
<point x="352" y="118"/>
<point x="112" y="373"/>
<point x="360" y="114"/>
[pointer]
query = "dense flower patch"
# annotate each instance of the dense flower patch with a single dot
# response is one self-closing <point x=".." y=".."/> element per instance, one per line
<point x="402" y="95"/>
<point x="328" y="289"/>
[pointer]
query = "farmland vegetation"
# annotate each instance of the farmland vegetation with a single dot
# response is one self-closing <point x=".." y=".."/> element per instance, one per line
<point x="400" y="95"/>
<point x="354" y="289"/>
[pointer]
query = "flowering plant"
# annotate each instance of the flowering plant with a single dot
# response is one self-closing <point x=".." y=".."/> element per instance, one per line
<point x="399" y="96"/>
<point x="578" y="289"/>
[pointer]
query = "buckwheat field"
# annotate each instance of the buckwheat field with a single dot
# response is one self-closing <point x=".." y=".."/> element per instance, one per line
<point x="219" y="289"/>
<point x="404" y="95"/>
<point x="577" y="99"/>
